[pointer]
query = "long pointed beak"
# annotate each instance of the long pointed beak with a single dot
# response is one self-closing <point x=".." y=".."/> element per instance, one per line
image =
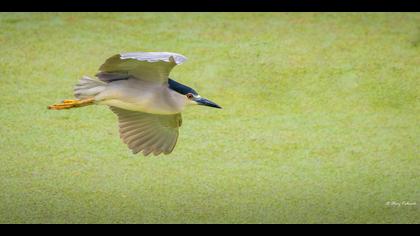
<point x="206" y="102"/>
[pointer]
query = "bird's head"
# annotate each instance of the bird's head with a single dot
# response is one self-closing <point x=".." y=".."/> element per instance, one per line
<point x="191" y="96"/>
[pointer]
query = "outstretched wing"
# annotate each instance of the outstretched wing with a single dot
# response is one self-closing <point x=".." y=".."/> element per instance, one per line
<point x="143" y="131"/>
<point x="148" y="132"/>
<point x="151" y="66"/>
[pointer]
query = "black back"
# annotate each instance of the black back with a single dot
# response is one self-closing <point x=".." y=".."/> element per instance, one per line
<point x="180" y="88"/>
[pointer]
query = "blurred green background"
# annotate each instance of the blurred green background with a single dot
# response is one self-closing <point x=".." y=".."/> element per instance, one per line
<point x="320" y="121"/>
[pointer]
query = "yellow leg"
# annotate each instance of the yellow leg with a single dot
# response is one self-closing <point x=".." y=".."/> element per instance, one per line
<point x="69" y="103"/>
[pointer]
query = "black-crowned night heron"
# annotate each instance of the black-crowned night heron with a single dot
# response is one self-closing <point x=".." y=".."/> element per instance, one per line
<point x="136" y="87"/>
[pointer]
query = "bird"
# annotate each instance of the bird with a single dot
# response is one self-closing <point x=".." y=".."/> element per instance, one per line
<point x="137" y="88"/>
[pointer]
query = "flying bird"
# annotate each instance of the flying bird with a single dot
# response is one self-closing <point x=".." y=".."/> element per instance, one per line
<point x="137" y="88"/>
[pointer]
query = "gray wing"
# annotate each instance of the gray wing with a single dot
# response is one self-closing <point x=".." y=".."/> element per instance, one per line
<point x="148" y="132"/>
<point x="151" y="66"/>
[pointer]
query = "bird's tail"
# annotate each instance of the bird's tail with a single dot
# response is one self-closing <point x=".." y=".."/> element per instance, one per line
<point x="84" y="91"/>
<point x="88" y="88"/>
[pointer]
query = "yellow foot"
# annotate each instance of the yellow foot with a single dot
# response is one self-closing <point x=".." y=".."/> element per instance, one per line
<point x="69" y="103"/>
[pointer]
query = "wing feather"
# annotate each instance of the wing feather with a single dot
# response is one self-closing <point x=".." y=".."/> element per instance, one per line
<point x="148" y="133"/>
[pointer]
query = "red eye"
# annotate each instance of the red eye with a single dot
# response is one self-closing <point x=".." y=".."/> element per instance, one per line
<point x="189" y="95"/>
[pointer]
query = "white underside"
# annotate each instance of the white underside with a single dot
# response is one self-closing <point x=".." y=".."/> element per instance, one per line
<point x="135" y="107"/>
<point x="136" y="95"/>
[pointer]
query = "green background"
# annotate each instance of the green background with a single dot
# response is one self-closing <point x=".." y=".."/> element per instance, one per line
<point x="320" y="121"/>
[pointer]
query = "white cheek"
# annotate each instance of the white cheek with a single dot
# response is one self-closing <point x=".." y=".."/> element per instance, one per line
<point x="191" y="102"/>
